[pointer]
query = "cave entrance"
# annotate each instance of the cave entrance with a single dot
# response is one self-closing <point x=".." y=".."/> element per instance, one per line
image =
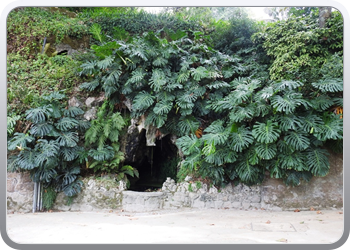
<point x="158" y="163"/>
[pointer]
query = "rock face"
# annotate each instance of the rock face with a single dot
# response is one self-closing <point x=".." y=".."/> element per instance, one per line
<point x="318" y="193"/>
<point x="67" y="46"/>
<point x="20" y="191"/>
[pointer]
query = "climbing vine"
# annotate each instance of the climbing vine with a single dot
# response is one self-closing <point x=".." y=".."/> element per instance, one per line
<point x="239" y="112"/>
<point x="250" y="125"/>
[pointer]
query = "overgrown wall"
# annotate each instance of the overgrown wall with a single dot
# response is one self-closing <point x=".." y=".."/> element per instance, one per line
<point x="272" y="194"/>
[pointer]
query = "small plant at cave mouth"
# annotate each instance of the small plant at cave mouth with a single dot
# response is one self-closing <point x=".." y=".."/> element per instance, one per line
<point x="104" y="156"/>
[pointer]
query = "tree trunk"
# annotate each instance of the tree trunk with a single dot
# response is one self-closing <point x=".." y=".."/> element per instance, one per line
<point x="324" y="14"/>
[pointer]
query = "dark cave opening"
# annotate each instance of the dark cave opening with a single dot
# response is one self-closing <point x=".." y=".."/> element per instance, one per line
<point x="158" y="162"/>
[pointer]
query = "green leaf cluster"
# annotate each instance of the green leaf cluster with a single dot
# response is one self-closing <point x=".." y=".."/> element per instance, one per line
<point x="50" y="149"/>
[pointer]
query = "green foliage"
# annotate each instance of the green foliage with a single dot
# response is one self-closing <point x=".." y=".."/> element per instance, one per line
<point x="102" y="137"/>
<point x="135" y="22"/>
<point x="50" y="149"/>
<point x="299" y="48"/>
<point x="267" y="102"/>
<point x="190" y="189"/>
<point x="251" y="124"/>
<point x="48" y="197"/>
<point x="28" y="80"/>
<point x="11" y="122"/>
<point x="27" y="27"/>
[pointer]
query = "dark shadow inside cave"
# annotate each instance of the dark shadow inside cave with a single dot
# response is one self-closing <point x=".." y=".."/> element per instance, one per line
<point x="155" y="164"/>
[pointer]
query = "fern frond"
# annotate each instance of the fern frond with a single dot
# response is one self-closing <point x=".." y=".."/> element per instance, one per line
<point x="92" y="133"/>
<point x="117" y="121"/>
<point x="107" y="127"/>
<point x="102" y="154"/>
<point x="96" y="30"/>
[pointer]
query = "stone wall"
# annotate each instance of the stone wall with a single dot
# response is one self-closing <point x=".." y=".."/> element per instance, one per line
<point x="272" y="194"/>
<point x="20" y="191"/>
